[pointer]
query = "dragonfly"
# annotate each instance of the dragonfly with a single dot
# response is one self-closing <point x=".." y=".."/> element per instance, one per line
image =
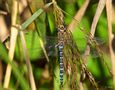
<point x="67" y="52"/>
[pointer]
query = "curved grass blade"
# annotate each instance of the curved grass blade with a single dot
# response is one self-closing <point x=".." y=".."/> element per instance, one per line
<point x="34" y="16"/>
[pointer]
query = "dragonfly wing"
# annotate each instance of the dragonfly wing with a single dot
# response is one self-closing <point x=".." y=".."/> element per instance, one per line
<point x="71" y="48"/>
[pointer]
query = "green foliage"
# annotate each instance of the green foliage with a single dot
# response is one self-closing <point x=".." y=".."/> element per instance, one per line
<point x="4" y="56"/>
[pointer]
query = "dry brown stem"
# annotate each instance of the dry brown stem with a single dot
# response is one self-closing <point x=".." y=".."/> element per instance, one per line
<point x="99" y="10"/>
<point x="14" y="33"/>
<point x="109" y="19"/>
<point x="26" y="56"/>
<point x="78" y="15"/>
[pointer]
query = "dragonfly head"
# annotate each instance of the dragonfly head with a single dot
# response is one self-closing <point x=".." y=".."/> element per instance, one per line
<point x="61" y="28"/>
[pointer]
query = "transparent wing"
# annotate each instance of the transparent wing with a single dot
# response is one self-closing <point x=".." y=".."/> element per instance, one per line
<point x="51" y="46"/>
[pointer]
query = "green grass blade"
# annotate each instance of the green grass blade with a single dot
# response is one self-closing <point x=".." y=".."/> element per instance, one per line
<point x="34" y="16"/>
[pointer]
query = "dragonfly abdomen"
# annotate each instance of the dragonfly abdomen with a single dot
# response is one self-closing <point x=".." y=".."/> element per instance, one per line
<point x="60" y="51"/>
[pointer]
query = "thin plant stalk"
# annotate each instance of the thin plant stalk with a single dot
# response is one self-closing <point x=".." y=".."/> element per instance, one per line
<point x="31" y="77"/>
<point x="109" y="19"/>
<point x="99" y="10"/>
<point x="14" y="33"/>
